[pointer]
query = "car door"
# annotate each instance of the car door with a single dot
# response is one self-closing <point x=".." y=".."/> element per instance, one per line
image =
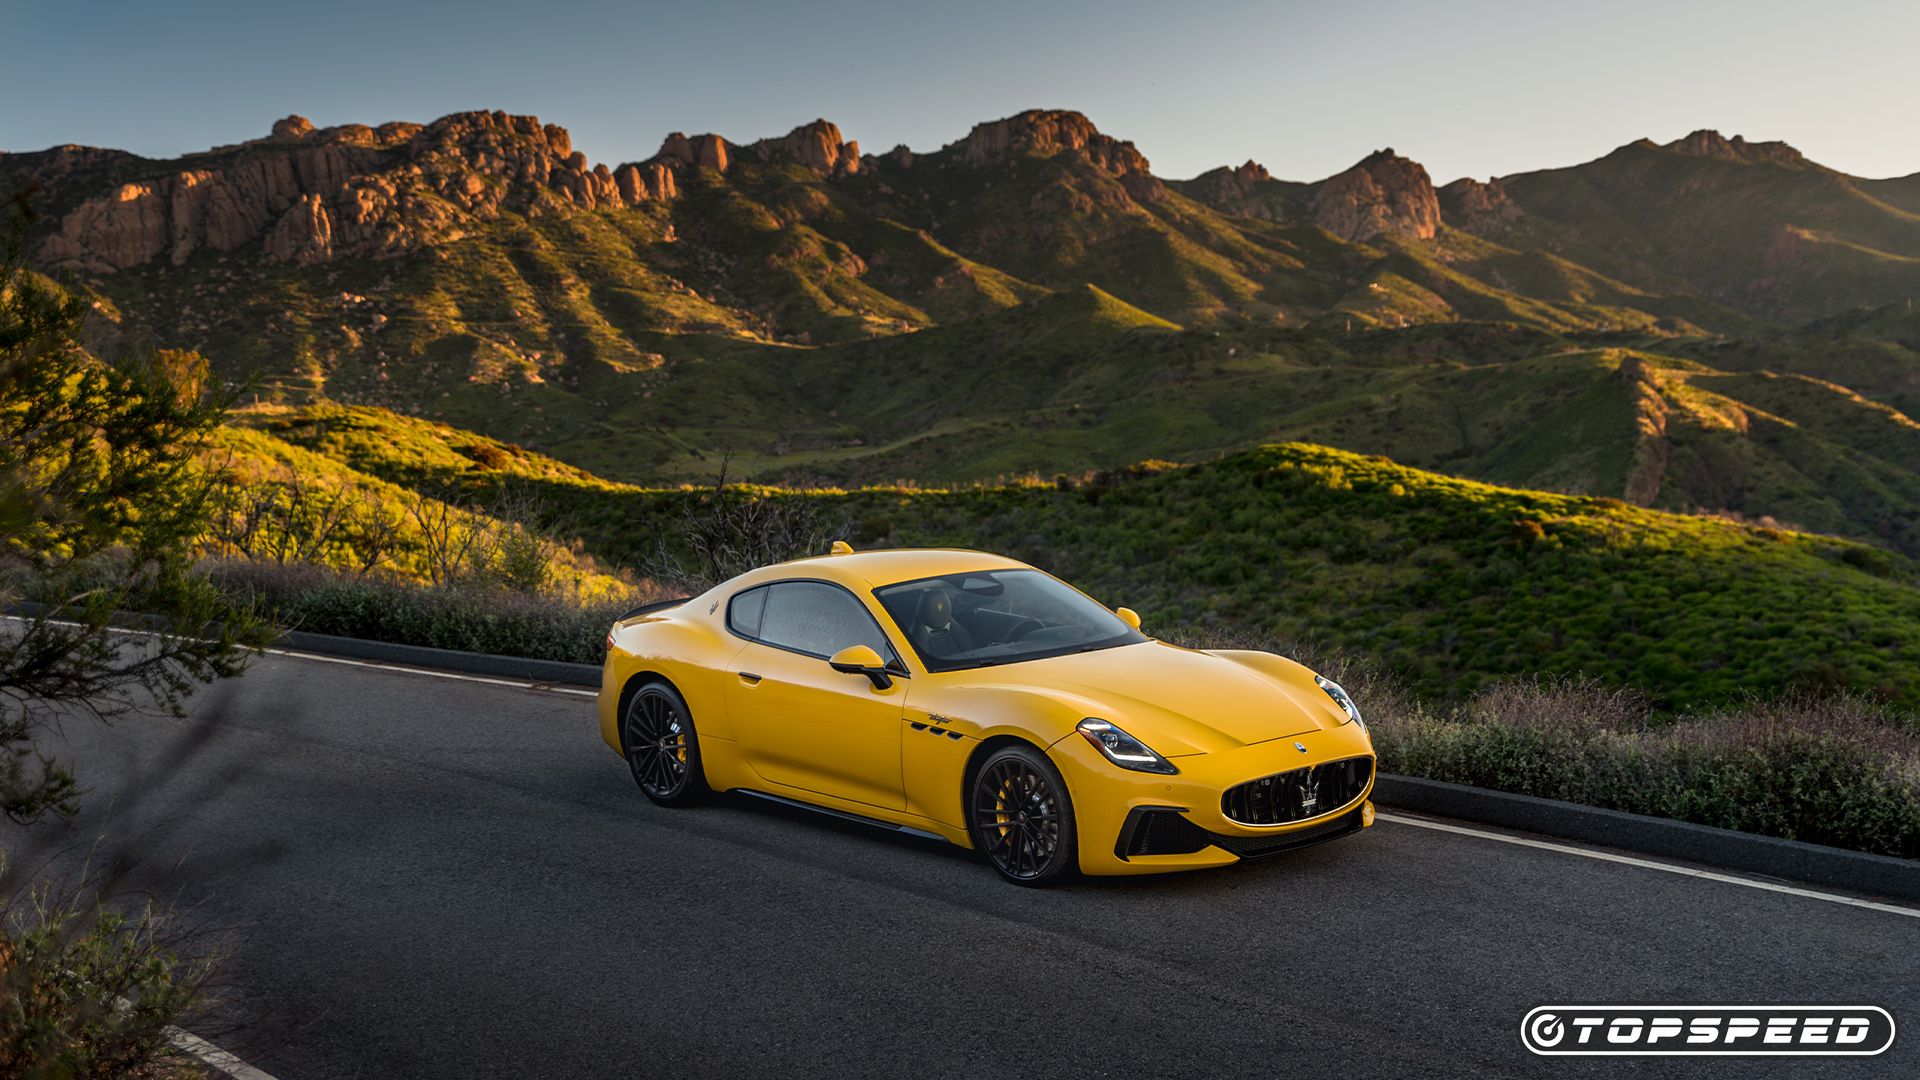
<point x="800" y="723"/>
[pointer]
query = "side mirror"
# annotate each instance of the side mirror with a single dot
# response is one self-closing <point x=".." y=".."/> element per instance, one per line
<point x="862" y="660"/>
<point x="1128" y="616"/>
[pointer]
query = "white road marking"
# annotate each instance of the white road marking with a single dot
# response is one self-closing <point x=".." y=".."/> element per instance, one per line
<point x="517" y="684"/>
<point x="221" y="1061"/>
<point x="1628" y="860"/>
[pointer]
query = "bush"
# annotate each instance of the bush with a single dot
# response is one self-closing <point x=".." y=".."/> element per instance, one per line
<point x="467" y="617"/>
<point x="88" y="992"/>
<point x="1833" y="768"/>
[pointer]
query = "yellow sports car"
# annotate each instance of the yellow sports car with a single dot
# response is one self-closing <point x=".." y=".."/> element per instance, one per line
<point x="978" y="700"/>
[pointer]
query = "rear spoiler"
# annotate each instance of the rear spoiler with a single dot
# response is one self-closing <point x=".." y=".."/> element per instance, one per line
<point x="657" y="605"/>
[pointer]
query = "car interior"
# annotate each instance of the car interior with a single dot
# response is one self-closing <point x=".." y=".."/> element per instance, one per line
<point x="997" y="616"/>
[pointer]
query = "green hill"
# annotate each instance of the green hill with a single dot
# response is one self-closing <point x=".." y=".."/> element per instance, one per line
<point x="1447" y="581"/>
<point x="1451" y="581"/>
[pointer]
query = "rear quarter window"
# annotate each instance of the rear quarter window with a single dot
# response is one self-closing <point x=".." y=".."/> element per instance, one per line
<point x="744" y="611"/>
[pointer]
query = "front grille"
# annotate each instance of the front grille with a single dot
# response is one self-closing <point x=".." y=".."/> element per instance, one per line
<point x="1297" y="795"/>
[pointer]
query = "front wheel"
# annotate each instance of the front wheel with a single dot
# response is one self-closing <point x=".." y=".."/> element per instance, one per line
<point x="661" y="746"/>
<point x="1022" y="817"/>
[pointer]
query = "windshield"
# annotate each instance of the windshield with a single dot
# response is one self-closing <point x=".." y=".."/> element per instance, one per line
<point x="988" y="617"/>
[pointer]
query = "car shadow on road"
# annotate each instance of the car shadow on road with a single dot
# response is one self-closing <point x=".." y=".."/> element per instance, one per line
<point x="1294" y="868"/>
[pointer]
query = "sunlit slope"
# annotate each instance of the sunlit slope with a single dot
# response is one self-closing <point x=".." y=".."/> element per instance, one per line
<point x="1450" y="580"/>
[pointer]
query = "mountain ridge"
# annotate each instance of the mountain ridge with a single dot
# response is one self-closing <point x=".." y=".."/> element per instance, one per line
<point x="819" y="310"/>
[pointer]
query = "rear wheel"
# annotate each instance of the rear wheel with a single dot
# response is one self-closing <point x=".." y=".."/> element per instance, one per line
<point x="1022" y="817"/>
<point x="661" y="746"/>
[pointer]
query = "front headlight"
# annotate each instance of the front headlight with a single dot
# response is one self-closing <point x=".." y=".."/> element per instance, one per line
<point x="1341" y="699"/>
<point x="1123" y="749"/>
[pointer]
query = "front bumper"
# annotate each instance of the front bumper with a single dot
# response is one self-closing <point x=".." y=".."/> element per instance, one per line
<point x="1111" y="804"/>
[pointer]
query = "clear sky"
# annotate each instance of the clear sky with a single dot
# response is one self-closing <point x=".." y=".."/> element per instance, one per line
<point x="1467" y="87"/>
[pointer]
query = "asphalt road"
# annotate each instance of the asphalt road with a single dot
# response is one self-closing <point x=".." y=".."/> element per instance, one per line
<point x="421" y="877"/>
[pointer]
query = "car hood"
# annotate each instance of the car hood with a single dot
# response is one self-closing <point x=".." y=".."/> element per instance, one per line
<point x="1178" y="701"/>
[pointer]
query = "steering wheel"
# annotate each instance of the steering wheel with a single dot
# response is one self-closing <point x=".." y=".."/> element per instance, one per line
<point x="1025" y="626"/>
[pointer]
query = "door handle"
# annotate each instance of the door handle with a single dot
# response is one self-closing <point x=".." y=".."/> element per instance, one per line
<point x="749" y="677"/>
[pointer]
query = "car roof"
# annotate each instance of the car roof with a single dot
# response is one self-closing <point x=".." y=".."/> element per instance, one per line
<point x="884" y="567"/>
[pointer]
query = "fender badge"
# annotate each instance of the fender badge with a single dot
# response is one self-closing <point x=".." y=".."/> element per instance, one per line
<point x="1300" y="746"/>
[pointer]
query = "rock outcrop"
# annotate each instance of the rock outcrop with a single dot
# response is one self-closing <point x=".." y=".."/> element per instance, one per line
<point x="307" y="195"/>
<point x="291" y="128"/>
<point x="817" y="146"/>
<point x="704" y="151"/>
<point x="1711" y="144"/>
<point x="647" y="182"/>
<point x="1470" y="204"/>
<point x="1384" y="195"/>
<point x="1044" y="133"/>
<point x="1238" y="191"/>
<point x="222" y="208"/>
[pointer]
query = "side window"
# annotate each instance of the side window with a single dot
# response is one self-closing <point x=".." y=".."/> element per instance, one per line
<point x="744" y="611"/>
<point x="815" y="618"/>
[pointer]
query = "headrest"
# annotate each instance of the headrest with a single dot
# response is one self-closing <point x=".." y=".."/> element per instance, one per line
<point x="936" y="609"/>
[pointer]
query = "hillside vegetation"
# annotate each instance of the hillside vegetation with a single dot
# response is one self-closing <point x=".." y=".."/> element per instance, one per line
<point x="1448" y="581"/>
<point x="1453" y="582"/>
<point x="280" y="505"/>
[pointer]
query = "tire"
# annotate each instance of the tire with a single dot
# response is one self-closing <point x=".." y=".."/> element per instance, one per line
<point x="1021" y="816"/>
<point x="662" y="748"/>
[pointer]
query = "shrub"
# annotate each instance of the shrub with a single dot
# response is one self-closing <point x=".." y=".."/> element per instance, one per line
<point x="1833" y="768"/>
<point x="467" y="617"/>
<point x="87" y="991"/>
<point x="729" y="528"/>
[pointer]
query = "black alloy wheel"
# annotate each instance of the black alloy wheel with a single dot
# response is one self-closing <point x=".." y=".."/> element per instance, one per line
<point x="1022" y="816"/>
<point x="661" y="746"/>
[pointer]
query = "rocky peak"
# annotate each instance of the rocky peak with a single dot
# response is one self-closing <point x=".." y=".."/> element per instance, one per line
<point x="1227" y="186"/>
<point x="817" y="146"/>
<point x="1384" y="195"/>
<point x="703" y="151"/>
<point x="1239" y="191"/>
<point x="1711" y="144"/>
<point x="291" y="128"/>
<point x="1046" y="132"/>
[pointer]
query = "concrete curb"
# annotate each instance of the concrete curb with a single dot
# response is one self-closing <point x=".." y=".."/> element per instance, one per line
<point x="1878" y="875"/>
<point x="551" y="672"/>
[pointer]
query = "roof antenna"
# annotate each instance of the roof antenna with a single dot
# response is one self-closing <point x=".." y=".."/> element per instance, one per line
<point x="840" y="547"/>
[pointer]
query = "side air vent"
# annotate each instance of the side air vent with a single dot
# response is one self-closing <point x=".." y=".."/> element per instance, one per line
<point x="1154" y="830"/>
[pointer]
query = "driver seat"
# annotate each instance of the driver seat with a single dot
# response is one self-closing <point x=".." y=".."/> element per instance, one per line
<point x="934" y="630"/>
